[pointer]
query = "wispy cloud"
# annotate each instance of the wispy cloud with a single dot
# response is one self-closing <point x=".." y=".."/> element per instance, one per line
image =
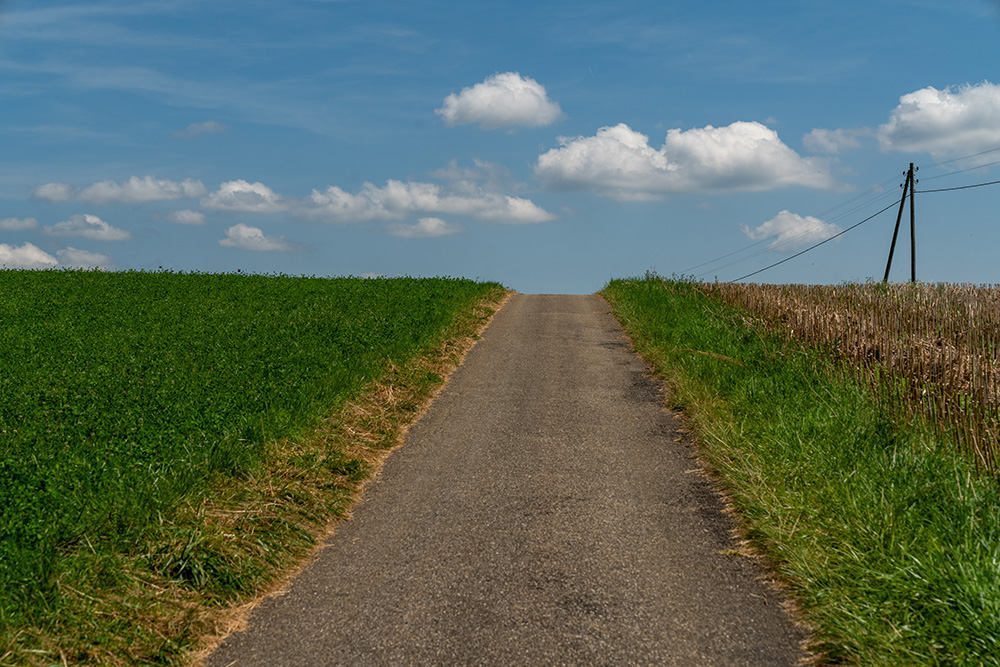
<point x="245" y="237"/>
<point x="398" y="200"/>
<point x="187" y="217"/>
<point x="89" y="227"/>
<point x="84" y="259"/>
<point x="138" y="190"/>
<point x="276" y="103"/>
<point x="54" y="192"/>
<point x="133" y="191"/>
<point x="206" y="127"/>
<point x="17" y="224"/>
<point x="831" y="142"/>
<point x="424" y="228"/>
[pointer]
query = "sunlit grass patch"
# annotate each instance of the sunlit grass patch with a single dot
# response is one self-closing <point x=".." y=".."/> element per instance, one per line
<point x="886" y="535"/>
<point x="168" y="440"/>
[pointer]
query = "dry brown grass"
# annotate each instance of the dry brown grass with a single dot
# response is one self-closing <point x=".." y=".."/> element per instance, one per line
<point x="932" y="349"/>
<point x="359" y="436"/>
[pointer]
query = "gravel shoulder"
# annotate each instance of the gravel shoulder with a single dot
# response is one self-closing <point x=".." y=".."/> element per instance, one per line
<point x="546" y="510"/>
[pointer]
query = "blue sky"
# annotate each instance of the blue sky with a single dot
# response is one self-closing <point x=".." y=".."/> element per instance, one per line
<point x="550" y="146"/>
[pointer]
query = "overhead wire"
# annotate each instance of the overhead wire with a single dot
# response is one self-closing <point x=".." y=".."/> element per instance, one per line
<point x="964" y="157"/>
<point x="793" y="240"/>
<point x="777" y="246"/>
<point x="813" y="247"/>
<point x="878" y="188"/>
<point x="962" y="171"/>
<point x="960" y="187"/>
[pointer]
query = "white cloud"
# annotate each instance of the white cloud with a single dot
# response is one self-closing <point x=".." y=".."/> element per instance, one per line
<point x="26" y="256"/>
<point x="207" y="127"/>
<point x="792" y="231"/>
<point x="140" y="190"/>
<point x="246" y="237"/>
<point x="133" y="191"/>
<point x="833" y="141"/>
<point x="17" y="224"/>
<point x="187" y="217"/>
<point x="483" y="175"/>
<point x="398" y="200"/>
<point x="239" y="195"/>
<point x="502" y="100"/>
<point x="54" y="192"/>
<point x="84" y="259"/>
<point x="618" y="162"/>
<point x="89" y="227"/>
<point x="505" y="208"/>
<point x="945" y="123"/>
<point x="425" y="228"/>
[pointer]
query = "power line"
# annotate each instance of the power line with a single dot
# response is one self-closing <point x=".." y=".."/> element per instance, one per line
<point x="813" y="247"/>
<point x="964" y="157"/>
<point x="873" y="189"/>
<point x="962" y="171"/>
<point x="878" y="188"/>
<point x="961" y="187"/>
<point x="797" y="237"/>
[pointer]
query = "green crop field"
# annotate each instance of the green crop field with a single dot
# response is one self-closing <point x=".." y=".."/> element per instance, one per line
<point x="882" y="527"/>
<point x="125" y="395"/>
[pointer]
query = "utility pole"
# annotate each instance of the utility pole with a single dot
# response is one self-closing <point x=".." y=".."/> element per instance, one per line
<point x="913" y="234"/>
<point x="908" y="185"/>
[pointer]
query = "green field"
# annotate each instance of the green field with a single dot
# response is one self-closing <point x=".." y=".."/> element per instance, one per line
<point x="884" y="532"/>
<point x="126" y="399"/>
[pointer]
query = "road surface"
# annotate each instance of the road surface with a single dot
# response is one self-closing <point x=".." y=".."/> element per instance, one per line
<point x="545" y="511"/>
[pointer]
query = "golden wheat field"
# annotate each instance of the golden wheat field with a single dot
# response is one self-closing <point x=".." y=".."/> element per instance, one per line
<point x="926" y="348"/>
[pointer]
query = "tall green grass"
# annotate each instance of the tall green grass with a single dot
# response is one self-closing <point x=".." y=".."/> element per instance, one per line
<point x="122" y="393"/>
<point x="886" y="537"/>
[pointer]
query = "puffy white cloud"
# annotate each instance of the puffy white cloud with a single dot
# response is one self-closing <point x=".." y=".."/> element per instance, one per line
<point x="425" y="228"/>
<point x="89" y="227"/>
<point x="84" y="259"/>
<point x="246" y="237"/>
<point x="833" y="141"/>
<point x="140" y="190"/>
<point x="17" y="224"/>
<point x="26" y="256"/>
<point x="502" y="100"/>
<point x="54" y="192"/>
<point x="239" y="195"/>
<point x="187" y="217"/>
<point x="194" y="129"/>
<point x="792" y="231"/>
<point x="945" y="123"/>
<point x="618" y="162"/>
<point x="398" y="200"/>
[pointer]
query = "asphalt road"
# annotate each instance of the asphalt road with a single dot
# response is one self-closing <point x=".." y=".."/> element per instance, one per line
<point x="543" y="512"/>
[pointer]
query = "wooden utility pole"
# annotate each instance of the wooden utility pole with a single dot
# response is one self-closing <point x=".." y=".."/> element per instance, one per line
<point x="895" y="231"/>
<point x="908" y="185"/>
<point x="913" y="234"/>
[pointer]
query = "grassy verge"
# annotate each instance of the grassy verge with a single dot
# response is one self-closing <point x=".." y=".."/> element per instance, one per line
<point x="173" y="443"/>
<point x="888" y="539"/>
